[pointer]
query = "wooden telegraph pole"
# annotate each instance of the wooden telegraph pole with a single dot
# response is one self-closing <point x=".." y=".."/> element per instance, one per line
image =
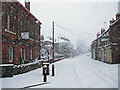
<point x="0" y="32"/>
<point x="53" y="71"/>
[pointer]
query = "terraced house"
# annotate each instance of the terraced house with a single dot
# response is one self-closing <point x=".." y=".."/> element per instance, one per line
<point x="106" y="47"/>
<point x="19" y="33"/>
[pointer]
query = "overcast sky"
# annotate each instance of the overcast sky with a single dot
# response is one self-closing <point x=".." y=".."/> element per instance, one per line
<point x="81" y="20"/>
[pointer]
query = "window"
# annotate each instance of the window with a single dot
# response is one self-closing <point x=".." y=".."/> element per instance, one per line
<point x="21" y="53"/>
<point x="36" y="53"/>
<point x="11" y="54"/>
<point x="22" y="25"/>
<point x="12" y="23"/>
<point x="24" y="53"/>
<point x="27" y="23"/>
<point x="30" y="29"/>
<point x="99" y="53"/>
<point x="8" y="22"/>
<point x="31" y="54"/>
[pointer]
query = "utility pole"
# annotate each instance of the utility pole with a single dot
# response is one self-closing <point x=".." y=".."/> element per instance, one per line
<point x="58" y="46"/>
<point x="0" y="33"/>
<point x="53" y="71"/>
<point x="119" y="7"/>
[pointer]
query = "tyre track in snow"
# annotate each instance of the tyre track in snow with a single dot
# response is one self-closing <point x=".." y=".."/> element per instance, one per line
<point x="105" y="69"/>
<point x="106" y="72"/>
<point x="106" y="79"/>
<point x="77" y="77"/>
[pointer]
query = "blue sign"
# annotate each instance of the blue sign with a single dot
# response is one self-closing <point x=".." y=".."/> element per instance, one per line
<point x="25" y="35"/>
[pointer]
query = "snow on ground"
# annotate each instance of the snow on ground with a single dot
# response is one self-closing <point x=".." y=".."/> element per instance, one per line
<point x="78" y="72"/>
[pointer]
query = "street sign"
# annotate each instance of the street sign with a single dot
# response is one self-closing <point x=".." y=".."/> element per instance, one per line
<point x="25" y="35"/>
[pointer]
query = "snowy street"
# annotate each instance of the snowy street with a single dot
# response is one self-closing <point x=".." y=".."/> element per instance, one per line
<point x="59" y="44"/>
<point x="78" y="72"/>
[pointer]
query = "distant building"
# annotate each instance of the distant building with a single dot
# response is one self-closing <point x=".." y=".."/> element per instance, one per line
<point x="20" y="35"/>
<point x="106" y="47"/>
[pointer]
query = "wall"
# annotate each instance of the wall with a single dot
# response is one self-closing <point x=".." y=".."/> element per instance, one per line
<point x="22" y="21"/>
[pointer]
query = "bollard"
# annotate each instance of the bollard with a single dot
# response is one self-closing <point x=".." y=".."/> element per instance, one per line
<point x="45" y="77"/>
<point x="53" y="70"/>
<point x="48" y="69"/>
<point x="45" y="73"/>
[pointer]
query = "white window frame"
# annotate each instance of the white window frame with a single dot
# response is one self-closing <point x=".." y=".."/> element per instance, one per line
<point x="8" y="22"/>
<point x="36" y="53"/>
<point x="21" y="50"/>
<point x="24" y="53"/>
<point x="31" y="52"/>
<point x="99" y="53"/>
<point x="11" y="54"/>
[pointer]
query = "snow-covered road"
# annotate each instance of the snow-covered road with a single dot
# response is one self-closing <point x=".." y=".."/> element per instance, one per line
<point x="78" y="72"/>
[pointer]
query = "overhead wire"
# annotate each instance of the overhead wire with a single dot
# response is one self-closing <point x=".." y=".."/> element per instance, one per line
<point x="69" y="30"/>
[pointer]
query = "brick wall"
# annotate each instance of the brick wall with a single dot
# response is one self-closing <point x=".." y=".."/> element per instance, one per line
<point x="110" y="49"/>
<point x="114" y="36"/>
<point x="22" y="21"/>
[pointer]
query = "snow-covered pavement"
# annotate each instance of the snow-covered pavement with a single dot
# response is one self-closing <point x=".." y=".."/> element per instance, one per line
<point x="78" y="72"/>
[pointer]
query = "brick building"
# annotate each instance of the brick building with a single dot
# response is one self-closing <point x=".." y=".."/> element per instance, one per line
<point x="20" y="33"/>
<point x="106" y="47"/>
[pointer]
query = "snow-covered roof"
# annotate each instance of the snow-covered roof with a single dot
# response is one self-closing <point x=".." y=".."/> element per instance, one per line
<point x="47" y="39"/>
<point x="6" y="65"/>
<point x="57" y="41"/>
<point x="60" y="41"/>
<point x="16" y="1"/>
<point x="107" y="30"/>
<point x="48" y="45"/>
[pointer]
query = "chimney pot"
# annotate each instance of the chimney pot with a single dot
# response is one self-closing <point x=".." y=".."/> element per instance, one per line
<point x="27" y="4"/>
<point x="112" y="21"/>
<point x="102" y="30"/>
<point x="117" y="16"/>
<point x="98" y="34"/>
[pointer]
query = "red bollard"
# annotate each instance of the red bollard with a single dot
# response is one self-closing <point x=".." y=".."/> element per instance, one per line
<point x="45" y="73"/>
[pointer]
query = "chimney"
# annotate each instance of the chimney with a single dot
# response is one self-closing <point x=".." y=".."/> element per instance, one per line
<point x="112" y="21"/>
<point x="117" y="16"/>
<point x="102" y="30"/>
<point x="98" y="34"/>
<point x="27" y="4"/>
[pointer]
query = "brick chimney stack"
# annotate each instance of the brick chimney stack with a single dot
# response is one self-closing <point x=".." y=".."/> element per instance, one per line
<point x="27" y="4"/>
<point x="112" y="21"/>
<point x="117" y="16"/>
<point x="98" y="34"/>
